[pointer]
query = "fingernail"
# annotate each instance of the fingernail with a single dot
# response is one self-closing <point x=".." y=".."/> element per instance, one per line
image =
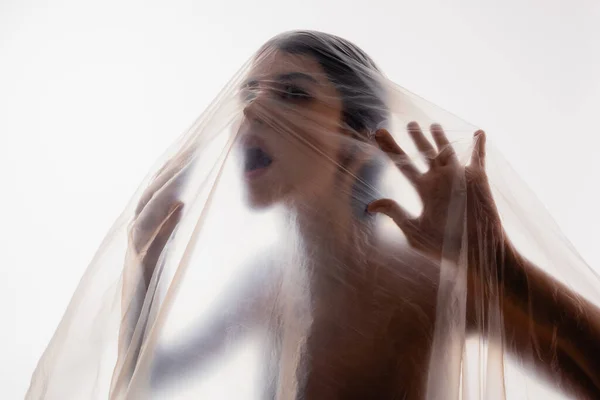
<point x="413" y="125"/>
<point x="436" y="126"/>
<point x="479" y="132"/>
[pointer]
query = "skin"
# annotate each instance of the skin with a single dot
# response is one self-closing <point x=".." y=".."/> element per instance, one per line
<point x="373" y="311"/>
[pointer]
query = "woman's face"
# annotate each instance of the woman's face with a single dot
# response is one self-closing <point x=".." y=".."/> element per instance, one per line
<point x="292" y="135"/>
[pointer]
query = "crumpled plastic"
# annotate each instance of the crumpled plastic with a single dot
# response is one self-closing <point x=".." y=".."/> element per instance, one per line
<point x="322" y="233"/>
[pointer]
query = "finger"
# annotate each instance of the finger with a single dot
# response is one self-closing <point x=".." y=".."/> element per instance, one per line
<point x="439" y="136"/>
<point x="446" y="151"/>
<point x="424" y="146"/>
<point x="156" y="248"/>
<point x="148" y="224"/>
<point x="157" y="200"/>
<point x="155" y="186"/>
<point x="479" y="152"/>
<point x="392" y="209"/>
<point x="387" y="143"/>
<point x="172" y="173"/>
<point x="441" y="141"/>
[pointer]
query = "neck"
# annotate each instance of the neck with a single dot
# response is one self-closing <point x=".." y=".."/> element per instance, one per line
<point x="330" y="238"/>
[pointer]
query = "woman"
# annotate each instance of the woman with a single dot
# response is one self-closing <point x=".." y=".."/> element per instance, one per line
<point x="365" y="321"/>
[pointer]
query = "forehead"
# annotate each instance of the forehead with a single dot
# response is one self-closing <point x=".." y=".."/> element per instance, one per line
<point x="273" y="64"/>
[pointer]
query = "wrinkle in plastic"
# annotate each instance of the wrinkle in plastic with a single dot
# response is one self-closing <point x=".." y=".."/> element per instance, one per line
<point x="305" y="239"/>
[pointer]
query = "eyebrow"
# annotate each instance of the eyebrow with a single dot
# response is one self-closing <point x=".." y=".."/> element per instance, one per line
<point x="296" y="75"/>
<point x="285" y="77"/>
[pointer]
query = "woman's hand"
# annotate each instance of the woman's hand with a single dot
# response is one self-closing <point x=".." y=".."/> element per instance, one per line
<point x="448" y="190"/>
<point x="537" y="311"/>
<point x="158" y="213"/>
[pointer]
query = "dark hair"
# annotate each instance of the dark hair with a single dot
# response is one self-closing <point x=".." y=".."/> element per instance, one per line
<point x="349" y="68"/>
<point x="356" y="77"/>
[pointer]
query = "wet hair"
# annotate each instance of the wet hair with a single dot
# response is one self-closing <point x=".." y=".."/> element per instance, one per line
<point x="349" y="69"/>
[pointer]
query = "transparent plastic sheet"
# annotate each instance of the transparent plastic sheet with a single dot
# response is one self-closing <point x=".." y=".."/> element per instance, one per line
<point x="305" y="239"/>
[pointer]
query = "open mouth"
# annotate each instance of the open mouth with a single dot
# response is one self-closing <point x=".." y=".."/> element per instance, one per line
<point x="256" y="161"/>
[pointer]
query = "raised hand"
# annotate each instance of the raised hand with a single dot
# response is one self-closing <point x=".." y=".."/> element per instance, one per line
<point x="158" y="213"/>
<point x="448" y="190"/>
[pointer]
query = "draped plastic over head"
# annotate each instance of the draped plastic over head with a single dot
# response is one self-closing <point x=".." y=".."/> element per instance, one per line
<point x="248" y="265"/>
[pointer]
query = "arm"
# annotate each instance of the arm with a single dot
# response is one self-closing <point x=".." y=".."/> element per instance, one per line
<point x="545" y="323"/>
<point x="157" y="215"/>
<point x="237" y="310"/>
<point x="542" y="318"/>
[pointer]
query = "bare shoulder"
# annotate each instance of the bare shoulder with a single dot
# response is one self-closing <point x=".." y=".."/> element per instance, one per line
<point x="402" y="265"/>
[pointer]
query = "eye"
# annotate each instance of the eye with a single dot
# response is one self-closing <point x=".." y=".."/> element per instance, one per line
<point x="293" y="92"/>
<point x="248" y="92"/>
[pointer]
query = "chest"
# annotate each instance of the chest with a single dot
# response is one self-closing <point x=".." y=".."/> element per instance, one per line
<point x="358" y="337"/>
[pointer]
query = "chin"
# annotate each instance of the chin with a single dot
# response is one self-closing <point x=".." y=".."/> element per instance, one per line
<point x="259" y="196"/>
<point x="258" y="203"/>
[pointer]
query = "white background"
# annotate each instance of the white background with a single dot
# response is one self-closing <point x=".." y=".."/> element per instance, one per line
<point x="92" y="93"/>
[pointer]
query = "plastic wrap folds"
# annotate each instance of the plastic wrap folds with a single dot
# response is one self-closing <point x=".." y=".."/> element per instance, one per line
<point x="322" y="233"/>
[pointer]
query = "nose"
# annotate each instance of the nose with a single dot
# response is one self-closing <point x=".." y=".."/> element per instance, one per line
<point x="257" y="105"/>
<point x="252" y="109"/>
